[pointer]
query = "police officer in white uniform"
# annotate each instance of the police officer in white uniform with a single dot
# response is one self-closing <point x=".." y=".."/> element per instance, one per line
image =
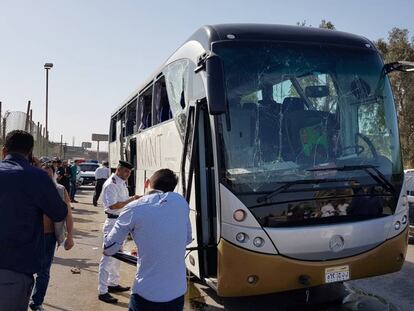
<point x="114" y="198"/>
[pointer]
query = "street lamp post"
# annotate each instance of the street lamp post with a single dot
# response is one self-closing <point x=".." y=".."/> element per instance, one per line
<point x="47" y="67"/>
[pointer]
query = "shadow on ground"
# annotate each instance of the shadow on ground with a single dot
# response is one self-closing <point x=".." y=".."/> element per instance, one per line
<point x="336" y="297"/>
<point x="81" y="263"/>
<point x="82" y="234"/>
<point x="81" y="211"/>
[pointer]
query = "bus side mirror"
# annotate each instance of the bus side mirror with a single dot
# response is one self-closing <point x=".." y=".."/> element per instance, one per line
<point x="399" y="66"/>
<point x="216" y="89"/>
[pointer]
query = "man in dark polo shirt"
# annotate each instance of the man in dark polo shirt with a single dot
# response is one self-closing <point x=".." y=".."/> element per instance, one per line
<point x="26" y="193"/>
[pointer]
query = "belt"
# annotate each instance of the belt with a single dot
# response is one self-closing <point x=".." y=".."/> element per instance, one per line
<point x="111" y="216"/>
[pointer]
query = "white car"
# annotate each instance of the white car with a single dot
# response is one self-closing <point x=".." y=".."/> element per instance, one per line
<point x="87" y="173"/>
<point x="409" y="179"/>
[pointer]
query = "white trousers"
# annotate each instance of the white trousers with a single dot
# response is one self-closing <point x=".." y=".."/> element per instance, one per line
<point x="109" y="266"/>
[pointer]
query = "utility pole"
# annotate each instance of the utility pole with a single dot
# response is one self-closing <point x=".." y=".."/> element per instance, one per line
<point x="31" y="122"/>
<point x="47" y="67"/>
<point x="61" y="147"/>
<point x="97" y="151"/>
<point x="26" y="125"/>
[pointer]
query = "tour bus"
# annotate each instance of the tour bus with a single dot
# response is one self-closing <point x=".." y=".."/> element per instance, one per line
<point x="286" y="144"/>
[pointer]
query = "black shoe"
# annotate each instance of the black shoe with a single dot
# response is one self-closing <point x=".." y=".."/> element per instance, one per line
<point x="36" y="307"/>
<point x="95" y="204"/>
<point x="107" y="298"/>
<point x="118" y="289"/>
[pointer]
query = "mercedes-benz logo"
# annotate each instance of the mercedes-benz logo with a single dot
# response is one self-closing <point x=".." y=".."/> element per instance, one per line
<point x="336" y="243"/>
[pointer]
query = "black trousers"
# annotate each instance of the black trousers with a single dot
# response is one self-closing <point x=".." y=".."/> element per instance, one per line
<point x="138" y="303"/>
<point x="98" y="190"/>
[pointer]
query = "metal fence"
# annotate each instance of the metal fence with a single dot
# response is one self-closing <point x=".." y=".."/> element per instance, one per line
<point x="18" y="120"/>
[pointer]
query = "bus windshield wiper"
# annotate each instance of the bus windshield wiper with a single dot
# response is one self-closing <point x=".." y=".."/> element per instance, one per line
<point x="368" y="168"/>
<point x="289" y="184"/>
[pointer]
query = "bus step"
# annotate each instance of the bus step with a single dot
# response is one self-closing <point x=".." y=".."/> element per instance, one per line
<point x="211" y="282"/>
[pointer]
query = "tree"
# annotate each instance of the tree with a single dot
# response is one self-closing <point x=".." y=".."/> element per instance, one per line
<point x="400" y="47"/>
<point x="327" y="25"/>
<point x="324" y="24"/>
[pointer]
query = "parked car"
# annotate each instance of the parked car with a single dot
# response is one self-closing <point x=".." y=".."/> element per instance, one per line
<point x="409" y="178"/>
<point x="87" y="173"/>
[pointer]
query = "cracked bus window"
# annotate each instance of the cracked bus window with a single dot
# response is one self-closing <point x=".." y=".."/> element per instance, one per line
<point x="293" y="107"/>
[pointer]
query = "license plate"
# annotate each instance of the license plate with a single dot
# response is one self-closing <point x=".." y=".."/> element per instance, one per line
<point x="336" y="274"/>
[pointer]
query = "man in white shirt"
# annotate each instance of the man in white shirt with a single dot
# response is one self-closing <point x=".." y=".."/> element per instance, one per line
<point x="160" y="226"/>
<point x="101" y="175"/>
<point x="115" y="198"/>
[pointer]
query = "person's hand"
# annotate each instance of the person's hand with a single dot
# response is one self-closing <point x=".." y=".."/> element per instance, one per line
<point x="69" y="243"/>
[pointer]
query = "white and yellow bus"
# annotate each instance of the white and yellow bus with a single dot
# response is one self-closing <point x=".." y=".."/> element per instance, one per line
<point x="286" y="143"/>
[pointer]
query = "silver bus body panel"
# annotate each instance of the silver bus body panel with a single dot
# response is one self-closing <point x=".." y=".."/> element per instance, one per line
<point x="313" y="242"/>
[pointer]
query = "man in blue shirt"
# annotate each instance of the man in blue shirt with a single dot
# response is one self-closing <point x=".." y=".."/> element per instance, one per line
<point x="159" y="223"/>
<point x="26" y="193"/>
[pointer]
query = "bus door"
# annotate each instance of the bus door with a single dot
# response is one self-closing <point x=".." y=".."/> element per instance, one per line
<point x="205" y="189"/>
<point x="198" y="188"/>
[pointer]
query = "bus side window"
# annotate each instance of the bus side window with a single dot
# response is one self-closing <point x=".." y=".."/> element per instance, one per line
<point x="162" y="110"/>
<point x="131" y="118"/>
<point x="113" y="128"/>
<point x="145" y="102"/>
<point x="121" y="118"/>
<point x="176" y="81"/>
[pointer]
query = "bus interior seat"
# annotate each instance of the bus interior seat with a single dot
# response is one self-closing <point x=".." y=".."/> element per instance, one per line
<point x="165" y="113"/>
<point x="269" y="128"/>
<point x="130" y="124"/>
<point x="249" y="111"/>
<point x="291" y="104"/>
<point x="308" y="133"/>
<point x="242" y="131"/>
<point x="146" y="121"/>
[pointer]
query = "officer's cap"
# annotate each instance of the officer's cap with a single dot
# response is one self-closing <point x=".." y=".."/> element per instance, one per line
<point x="125" y="164"/>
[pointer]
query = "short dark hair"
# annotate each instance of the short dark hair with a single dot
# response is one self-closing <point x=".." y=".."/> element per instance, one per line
<point x="164" y="180"/>
<point x="48" y="166"/>
<point x="19" y="141"/>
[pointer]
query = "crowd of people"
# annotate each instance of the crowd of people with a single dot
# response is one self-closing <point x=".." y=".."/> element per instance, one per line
<point x="35" y="203"/>
<point x="66" y="175"/>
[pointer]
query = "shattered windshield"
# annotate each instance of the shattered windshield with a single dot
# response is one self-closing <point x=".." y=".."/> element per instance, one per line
<point x="295" y="108"/>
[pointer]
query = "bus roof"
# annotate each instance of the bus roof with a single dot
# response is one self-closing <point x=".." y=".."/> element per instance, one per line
<point x="211" y="33"/>
<point x="208" y="34"/>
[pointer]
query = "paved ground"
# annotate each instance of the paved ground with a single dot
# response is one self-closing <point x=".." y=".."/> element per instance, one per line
<point x="69" y="292"/>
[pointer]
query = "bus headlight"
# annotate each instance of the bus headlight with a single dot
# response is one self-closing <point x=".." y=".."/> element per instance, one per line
<point x="404" y="219"/>
<point x="239" y="215"/>
<point x="258" y="242"/>
<point x="242" y="237"/>
<point x="397" y="225"/>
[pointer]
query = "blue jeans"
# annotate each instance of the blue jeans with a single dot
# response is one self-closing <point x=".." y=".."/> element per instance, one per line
<point x="138" y="303"/>
<point x="72" y="190"/>
<point x="43" y="276"/>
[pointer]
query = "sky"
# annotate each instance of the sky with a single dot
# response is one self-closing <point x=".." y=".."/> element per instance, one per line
<point x="103" y="50"/>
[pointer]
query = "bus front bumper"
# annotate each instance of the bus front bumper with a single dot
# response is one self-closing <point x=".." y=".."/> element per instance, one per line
<point x="275" y="273"/>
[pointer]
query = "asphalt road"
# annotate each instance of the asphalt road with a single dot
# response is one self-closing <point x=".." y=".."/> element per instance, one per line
<point x="78" y="291"/>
